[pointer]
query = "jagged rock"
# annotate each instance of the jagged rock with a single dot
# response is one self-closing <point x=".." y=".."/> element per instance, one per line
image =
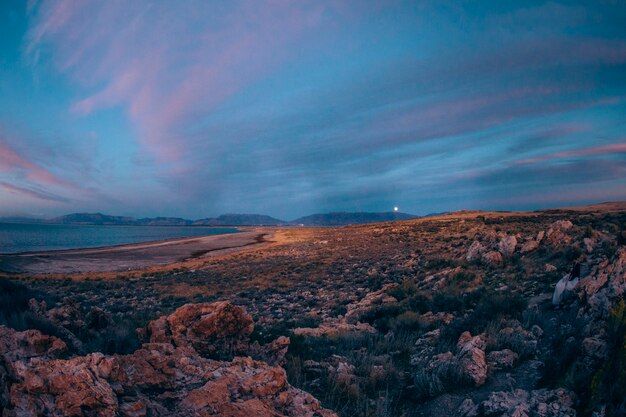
<point x="160" y="379"/>
<point x="507" y="245"/>
<point x="538" y="403"/>
<point x="68" y="315"/>
<point x="590" y="244"/>
<point x="529" y="246"/>
<point x="540" y="236"/>
<point x="273" y="352"/>
<point x="475" y="251"/>
<point x="208" y="327"/>
<point x="331" y="328"/>
<point x="518" y="339"/>
<point x="605" y="285"/>
<point x="549" y="268"/>
<point x="471" y="358"/>
<point x="557" y="235"/>
<point x="493" y="258"/>
<point x="467" y="409"/>
<point x="354" y="311"/>
<point x="502" y="359"/>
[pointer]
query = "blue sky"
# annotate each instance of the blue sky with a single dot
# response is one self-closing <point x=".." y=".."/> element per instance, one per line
<point x="287" y="108"/>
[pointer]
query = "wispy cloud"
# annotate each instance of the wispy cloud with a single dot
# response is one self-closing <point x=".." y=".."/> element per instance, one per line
<point x="604" y="150"/>
<point x="29" y="192"/>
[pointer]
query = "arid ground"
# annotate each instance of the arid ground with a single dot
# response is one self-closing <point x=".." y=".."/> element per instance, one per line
<point x="448" y="315"/>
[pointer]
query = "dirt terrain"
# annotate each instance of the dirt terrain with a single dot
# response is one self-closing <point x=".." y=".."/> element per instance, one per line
<point x="449" y="315"/>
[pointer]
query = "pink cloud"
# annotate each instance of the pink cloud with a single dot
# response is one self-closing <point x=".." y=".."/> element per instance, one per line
<point x="612" y="149"/>
<point x="167" y="67"/>
<point x="10" y="161"/>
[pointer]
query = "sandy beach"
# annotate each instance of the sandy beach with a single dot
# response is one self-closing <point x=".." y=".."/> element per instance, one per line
<point x="132" y="257"/>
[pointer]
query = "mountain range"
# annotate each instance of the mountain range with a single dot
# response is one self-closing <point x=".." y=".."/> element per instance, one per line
<point x="320" y="219"/>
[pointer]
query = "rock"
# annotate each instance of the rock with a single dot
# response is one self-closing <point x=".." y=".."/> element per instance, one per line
<point x="475" y="251"/>
<point x="590" y="244"/>
<point x="507" y="245"/>
<point x="518" y="339"/>
<point x="540" y="236"/>
<point x="549" y="268"/>
<point x="273" y="352"/>
<point x="471" y="358"/>
<point x="209" y="328"/>
<point x="493" y="258"/>
<point x="529" y="246"/>
<point x="604" y="286"/>
<point x="467" y="409"/>
<point x="538" y="403"/>
<point x="333" y="328"/>
<point x="557" y="233"/>
<point x="160" y="379"/>
<point x="502" y="359"/>
<point x="355" y="310"/>
<point x="69" y="315"/>
<point x="595" y="348"/>
<point x="97" y="319"/>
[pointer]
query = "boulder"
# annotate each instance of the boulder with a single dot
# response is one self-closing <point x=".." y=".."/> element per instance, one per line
<point x="210" y="328"/>
<point x="529" y="246"/>
<point x="502" y="359"/>
<point x="475" y="251"/>
<point x="493" y="258"/>
<point x="471" y="358"/>
<point x="507" y="245"/>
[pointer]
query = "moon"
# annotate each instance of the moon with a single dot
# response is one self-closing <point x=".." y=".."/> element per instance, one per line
<point x="395" y="209"/>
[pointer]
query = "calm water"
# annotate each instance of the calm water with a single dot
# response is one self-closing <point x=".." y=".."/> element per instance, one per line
<point x="37" y="237"/>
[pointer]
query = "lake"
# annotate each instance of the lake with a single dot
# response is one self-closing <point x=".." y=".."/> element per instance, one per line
<point x="16" y="238"/>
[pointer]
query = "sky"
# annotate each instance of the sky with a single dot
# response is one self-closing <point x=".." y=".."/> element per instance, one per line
<point x="288" y="108"/>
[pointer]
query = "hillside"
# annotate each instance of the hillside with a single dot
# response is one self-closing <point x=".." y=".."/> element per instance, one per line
<point x="240" y="220"/>
<point x="93" y="219"/>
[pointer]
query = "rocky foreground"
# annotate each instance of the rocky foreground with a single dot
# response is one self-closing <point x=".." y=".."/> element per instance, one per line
<point x="170" y="375"/>
<point x="468" y="314"/>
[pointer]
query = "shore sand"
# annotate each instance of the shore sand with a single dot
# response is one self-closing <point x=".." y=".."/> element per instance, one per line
<point x="132" y="257"/>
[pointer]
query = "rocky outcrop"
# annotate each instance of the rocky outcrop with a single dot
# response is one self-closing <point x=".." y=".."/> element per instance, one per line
<point x="605" y="285"/>
<point x="166" y="377"/>
<point x="210" y="329"/>
<point x="349" y="323"/>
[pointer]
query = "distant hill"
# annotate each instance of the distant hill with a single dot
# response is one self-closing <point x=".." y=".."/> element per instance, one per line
<point x="320" y="219"/>
<point x="93" y="218"/>
<point x="344" y="218"/>
<point x="163" y="221"/>
<point x="240" y="220"/>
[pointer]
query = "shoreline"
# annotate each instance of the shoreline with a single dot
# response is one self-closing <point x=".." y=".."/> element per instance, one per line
<point x="133" y="257"/>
